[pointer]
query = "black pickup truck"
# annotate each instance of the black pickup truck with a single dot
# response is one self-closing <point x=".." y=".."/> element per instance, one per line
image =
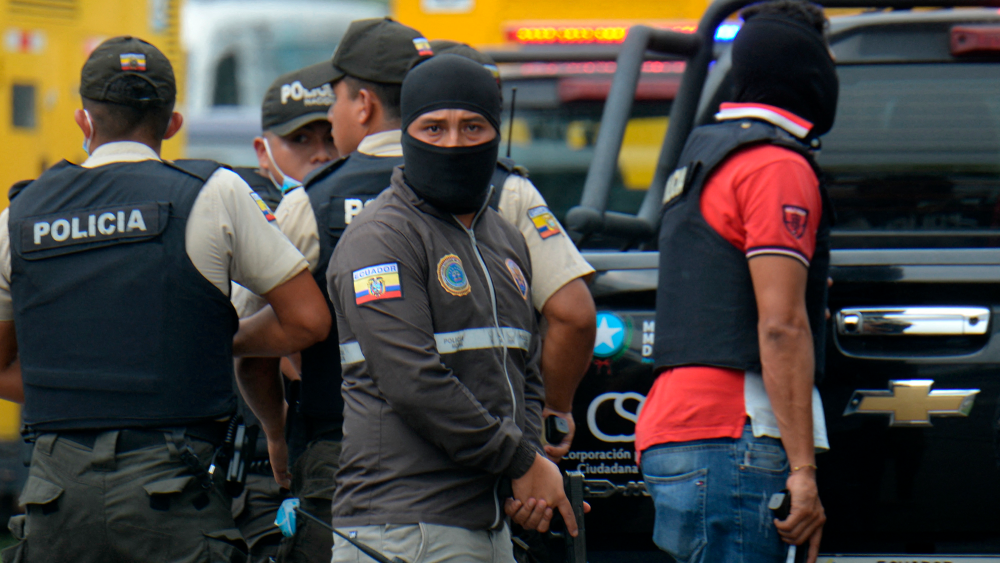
<point x="913" y="362"/>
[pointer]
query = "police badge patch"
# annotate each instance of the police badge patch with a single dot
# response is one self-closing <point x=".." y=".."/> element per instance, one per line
<point x="519" y="279"/>
<point x="796" y="219"/>
<point x="452" y="276"/>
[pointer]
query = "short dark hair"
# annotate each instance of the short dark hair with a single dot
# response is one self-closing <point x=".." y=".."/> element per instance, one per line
<point x="138" y="117"/>
<point x="801" y="11"/>
<point x="388" y="94"/>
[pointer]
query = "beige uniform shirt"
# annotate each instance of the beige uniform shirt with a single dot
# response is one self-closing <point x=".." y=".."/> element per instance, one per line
<point x="227" y="235"/>
<point x="555" y="261"/>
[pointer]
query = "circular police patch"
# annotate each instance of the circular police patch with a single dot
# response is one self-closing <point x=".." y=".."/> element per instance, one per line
<point x="452" y="276"/>
<point x="518" y="275"/>
<point x="610" y="339"/>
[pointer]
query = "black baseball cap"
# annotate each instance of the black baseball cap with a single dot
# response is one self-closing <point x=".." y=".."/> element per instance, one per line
<point x="446" y="47"/>
<point x="127" y="56"/>
<point x="290" y="104"/>
<point x="376" y="50"/>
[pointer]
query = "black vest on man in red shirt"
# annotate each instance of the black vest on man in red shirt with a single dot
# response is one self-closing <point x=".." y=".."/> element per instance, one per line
<point x="706" y="311"/>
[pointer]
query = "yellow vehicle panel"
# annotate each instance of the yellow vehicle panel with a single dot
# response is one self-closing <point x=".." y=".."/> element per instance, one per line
<point x="44" y="45"/>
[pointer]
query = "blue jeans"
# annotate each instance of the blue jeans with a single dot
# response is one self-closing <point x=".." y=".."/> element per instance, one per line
<point x="711" y="498"/>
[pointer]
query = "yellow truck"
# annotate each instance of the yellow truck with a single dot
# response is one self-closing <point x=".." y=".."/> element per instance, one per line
<point x="44" y="45"/>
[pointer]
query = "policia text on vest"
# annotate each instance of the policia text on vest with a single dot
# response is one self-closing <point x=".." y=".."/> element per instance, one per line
<point x="106" y="224"/>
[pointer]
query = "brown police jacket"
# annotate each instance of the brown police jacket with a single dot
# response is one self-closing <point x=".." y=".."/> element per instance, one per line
<point x="440" y="353"/>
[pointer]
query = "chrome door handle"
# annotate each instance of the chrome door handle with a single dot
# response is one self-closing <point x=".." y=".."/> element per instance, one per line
<point x="922" y="321"/>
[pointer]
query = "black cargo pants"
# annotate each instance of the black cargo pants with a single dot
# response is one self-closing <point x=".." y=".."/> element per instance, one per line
<point x="123" y="496"/>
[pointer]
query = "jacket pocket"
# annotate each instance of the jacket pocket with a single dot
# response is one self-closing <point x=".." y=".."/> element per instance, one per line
<point x="679" y="500"/>
<point x="225" y="546"/>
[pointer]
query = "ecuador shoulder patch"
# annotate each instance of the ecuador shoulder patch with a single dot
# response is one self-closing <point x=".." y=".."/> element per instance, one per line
<point x="377" y="282"/>
<point x="263" y="207"/>
<point x="544" y="221"/>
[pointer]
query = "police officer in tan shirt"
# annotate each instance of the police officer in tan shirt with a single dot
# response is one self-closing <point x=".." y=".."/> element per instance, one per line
<point x="116" y="275"/>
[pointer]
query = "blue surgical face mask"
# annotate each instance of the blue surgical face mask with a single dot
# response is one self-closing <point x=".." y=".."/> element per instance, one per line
<point x="288" y="183"/>
<point x="86" y="141"/>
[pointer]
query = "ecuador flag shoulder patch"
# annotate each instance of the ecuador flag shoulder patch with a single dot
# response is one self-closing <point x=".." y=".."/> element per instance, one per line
<point x="377" y="282"/>
<point x="544" y="221"/>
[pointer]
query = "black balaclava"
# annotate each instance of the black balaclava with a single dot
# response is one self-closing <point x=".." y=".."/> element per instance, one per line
<point x="782" y="62"/>
<point x="452" y="179"/>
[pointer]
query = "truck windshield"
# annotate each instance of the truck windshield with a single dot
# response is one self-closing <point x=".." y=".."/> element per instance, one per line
<point x="914" y="156"/>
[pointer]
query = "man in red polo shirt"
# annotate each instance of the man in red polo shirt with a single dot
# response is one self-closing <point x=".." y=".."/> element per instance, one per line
<point x="733" y="415"/>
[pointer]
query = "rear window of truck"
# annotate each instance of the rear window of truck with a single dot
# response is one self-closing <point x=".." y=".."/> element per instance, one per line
<point x="913" y="159"/>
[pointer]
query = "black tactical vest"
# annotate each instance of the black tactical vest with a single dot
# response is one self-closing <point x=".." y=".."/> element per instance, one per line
<point x="115" y="326"/>
<point x="505" y="167"/>
<point x="337" y="192"/>
<point x="261" y="185"/>
<point x="706" y="311"/>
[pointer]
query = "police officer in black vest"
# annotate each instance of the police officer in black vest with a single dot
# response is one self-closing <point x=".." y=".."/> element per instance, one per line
<point x="114" y="300"/>
<point x="366" y="73"/>
<point x="295" y="140"/>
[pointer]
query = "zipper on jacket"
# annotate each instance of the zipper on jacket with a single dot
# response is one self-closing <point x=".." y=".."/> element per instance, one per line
<point x="496" y="324"/>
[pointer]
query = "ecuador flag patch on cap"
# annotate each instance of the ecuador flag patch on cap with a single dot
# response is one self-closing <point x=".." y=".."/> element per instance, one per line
<point x="377" y="282"/>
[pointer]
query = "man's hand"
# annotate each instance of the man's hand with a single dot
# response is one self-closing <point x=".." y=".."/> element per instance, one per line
<point x="277" y="451"/>
<point x="556" y="452"/>
<point x="536" y="493"/>
<point x="806" y="518"/>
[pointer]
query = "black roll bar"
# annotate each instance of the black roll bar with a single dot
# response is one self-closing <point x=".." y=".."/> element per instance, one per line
<point x="591" y="217"/>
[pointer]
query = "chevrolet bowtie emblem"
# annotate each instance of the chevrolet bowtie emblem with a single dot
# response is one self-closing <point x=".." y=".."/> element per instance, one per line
<point x="912" y="403"/>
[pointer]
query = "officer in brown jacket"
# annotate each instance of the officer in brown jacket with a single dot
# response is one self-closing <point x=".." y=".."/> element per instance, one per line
<point x="439" y="344"/>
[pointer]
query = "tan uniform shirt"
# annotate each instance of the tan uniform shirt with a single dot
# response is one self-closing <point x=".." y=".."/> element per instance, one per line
<point x="227" y="236"/>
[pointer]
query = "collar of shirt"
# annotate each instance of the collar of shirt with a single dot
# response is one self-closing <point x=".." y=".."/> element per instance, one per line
<point x="787" y="120"/>
<point x="386" y="143"/>
<point x="121" y="151"/>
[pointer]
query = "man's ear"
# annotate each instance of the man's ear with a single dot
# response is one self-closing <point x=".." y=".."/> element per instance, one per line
<point x="369" y="107"/>
<point x="176" y="121"/>
<point x="263" y="162"/>
<point x="81" y="121"/>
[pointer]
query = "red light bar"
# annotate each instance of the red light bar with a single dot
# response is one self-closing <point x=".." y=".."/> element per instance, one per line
<point x="541" y="69"/>
<point x="596" y="89"/>
<point x="580" y="34"/>
<point x="967" y="40"/>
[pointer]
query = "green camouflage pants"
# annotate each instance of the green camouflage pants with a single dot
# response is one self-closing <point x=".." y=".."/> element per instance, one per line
<point x="313" y="484"/>
<point x="107" y="504"/>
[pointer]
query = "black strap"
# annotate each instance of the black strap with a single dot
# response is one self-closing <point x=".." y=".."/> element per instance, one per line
<point x="201" y="169"/>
